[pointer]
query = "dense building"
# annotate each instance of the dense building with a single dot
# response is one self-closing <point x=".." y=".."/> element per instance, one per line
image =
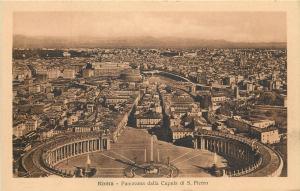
<point x="88" y="73"/>
<point x="54" y="73"/>
<point x="131" y="75"/>
<point x="148" y="120"/>
<point x="236" y="92"/>
<point x="263" y="123"/>
<point x="34" y="89"/>
<point x="72" y="97"/>
<point x="109" y="69"/>
<point x="19" y="130"/>
<point x="178" y="132"/>
<point x="239" y="124"/>
<point x="69" y="73"/>
<point x="267" y="135"/>
<point x="216" y="100"/>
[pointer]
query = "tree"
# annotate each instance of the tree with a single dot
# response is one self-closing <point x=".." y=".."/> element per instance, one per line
<point x="267" y="98"/>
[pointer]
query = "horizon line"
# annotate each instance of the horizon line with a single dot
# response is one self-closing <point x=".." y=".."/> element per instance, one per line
<point x="146" y="36"/>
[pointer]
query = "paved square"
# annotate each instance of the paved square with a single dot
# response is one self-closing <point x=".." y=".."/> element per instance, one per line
<point x="132" y="146"/>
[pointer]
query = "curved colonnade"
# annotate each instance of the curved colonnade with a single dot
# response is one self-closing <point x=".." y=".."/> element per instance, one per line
<point x="47" y="155"/>
<point x="259" y="160"/>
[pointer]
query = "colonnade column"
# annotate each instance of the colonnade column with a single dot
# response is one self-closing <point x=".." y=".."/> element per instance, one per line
<point x="206" y="144"/>
<point x="107" y="144"/>
<point x="195" y="143"/>
<point x="83" y="146"/>
<point x="226" y="148"/>
<point x="58" y="154"/>
<point x="100" y="144"/>
<point x="73" y="149"/>
<point x="76" y="148"/>
<point x="55" y="155"/>
<point x="61" y="153"/>
<point x="64" y="151"/>
<point x="68" y="150"/>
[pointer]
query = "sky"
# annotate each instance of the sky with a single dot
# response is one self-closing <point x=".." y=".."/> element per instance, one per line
<point x="229" y="26"/>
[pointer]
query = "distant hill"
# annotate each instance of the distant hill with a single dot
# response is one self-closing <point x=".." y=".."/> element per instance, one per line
<point x="20" y="41"/>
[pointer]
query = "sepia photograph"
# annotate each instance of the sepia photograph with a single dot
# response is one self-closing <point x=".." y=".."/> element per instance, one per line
<point x="149" y="94"/>
<point x="149" y="97"/>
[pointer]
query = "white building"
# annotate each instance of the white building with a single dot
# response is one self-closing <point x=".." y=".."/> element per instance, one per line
<point x="72" y="119"/>
<point x="19" y="130"/>
<point x="53" y="73"/>
<point x="34" y="89"/>
<point x="69" y="73"/>
<point x="263" y="123"/>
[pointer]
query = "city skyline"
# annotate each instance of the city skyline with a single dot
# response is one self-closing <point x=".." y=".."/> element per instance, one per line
<point x="149" y="94"/>
<point x="125" y="113"/>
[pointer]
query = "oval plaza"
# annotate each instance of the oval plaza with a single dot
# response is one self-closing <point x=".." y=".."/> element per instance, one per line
<point x="255" y="159"/>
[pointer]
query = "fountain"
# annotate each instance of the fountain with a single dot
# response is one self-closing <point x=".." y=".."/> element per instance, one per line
<point x="151" y="168"/>
<point x="215" y="169"/>
<point x="86" y="171"/>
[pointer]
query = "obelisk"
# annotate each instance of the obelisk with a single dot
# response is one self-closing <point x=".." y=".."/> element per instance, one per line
<point x="88" y="163"/>
<point x="145" y="155"/>
<point x="151" y="149"/>
<point x="215" y="158"/>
